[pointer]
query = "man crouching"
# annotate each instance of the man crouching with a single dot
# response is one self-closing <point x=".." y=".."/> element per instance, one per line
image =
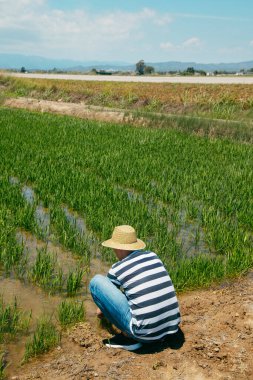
<point x="137" y="295"/>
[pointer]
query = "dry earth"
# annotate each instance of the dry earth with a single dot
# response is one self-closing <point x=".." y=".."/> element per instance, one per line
<point x="73" y="109"/>
<point x="84" y="111"/>
<point x="218" y="331"/>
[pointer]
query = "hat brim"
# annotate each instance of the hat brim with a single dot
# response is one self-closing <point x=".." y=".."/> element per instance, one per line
<point x="126" y="247"/>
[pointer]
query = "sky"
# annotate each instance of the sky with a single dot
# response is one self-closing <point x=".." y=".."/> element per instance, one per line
<point x="204" y="31"/>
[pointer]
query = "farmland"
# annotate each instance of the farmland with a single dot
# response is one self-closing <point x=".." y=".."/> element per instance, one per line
<point x="66" y="182"/>
<point x="218" y="101"/>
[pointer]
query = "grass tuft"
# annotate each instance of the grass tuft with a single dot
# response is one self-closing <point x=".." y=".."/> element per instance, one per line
<point x="70" y="313"/>
<point x="12" y="320"/>
<point x="44" y="338"/>
<point x="74" y="281"/>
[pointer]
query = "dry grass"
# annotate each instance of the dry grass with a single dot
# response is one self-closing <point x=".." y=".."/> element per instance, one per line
<point x="218" y="100"/>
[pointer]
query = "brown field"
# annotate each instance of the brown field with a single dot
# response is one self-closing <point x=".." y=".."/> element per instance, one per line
<point x="234" y="101"/>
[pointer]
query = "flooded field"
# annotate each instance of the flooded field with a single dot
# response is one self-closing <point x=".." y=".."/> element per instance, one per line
<point x="33" y="299"/>
<point x="187" y="196"/>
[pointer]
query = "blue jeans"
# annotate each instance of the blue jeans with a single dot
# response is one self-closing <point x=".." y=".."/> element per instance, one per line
<point x="112" y="302"/>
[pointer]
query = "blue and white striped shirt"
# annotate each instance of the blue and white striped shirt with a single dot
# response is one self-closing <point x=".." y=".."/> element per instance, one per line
<point x="150" y="294"/>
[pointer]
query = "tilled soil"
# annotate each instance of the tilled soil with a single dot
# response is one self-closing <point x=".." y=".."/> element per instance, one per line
<point x="217" y="325"/>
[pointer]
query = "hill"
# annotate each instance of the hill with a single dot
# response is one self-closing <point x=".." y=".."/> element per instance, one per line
<point x="32" y="63"/>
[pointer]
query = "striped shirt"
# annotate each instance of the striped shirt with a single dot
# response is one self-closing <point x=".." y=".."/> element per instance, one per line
<point x="150" y="294"/>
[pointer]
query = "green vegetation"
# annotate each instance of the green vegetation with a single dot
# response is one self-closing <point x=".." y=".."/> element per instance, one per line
<point x="44" y="338"/>
<point x="12" y="320"/>
<point x="70" y="313"/>
<point x="44" y="272"/>
<point x="188" y="196"/>
<point x="74" y="281"/>
<point x="186" y="187"/>
<point x="68" y="234"/>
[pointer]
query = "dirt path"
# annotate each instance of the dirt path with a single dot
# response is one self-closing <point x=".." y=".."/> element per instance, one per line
<point x="218" y="331"/>
<point x="84" y="111"/>
<point x="73" y="109"/>
<point x="142" y="79"/>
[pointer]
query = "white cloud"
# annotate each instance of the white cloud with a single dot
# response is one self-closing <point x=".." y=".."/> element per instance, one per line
<point x="30" y="26"/>
<point x="163" y="20"/>
<point x="251" y="43"/>
<point x="192" y="42"/>
<point x="166" y="46"/>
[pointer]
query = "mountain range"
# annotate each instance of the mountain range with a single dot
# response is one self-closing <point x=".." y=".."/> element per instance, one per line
<point x="32" y="63"/>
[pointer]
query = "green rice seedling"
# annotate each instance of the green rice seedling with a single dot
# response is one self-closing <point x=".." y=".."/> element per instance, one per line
<point x="68" y="234"/>
<point x="11" y="256"/>
<point x="199" y="171"/>
<point x="45" y="271"/>
<point x="70" y="312"/>
<point x="44" y="338"/>
<point x="11" y="252"/>
<point x="74" y="281"/>
<point x="12" y="320"/>
<point x="57" y="282"/>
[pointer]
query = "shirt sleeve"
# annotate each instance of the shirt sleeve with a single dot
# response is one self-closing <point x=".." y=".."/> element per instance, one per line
<point x="113" y="278"/>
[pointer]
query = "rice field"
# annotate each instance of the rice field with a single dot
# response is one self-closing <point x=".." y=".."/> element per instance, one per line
<point x="65" y="183"/>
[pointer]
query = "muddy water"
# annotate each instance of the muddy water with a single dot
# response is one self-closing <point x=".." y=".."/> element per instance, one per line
<point x="41" y="215"/>
<point x="191" y="237"/>
<point x="66" y="259"/>
<point x="28" y="194"/>
<point x="96" y="263"/>
<point x="75" y="220"/>
<point x="31" y="297"/>
<point x="42" y="218"/>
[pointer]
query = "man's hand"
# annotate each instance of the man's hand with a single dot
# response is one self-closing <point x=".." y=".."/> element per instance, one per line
<point x="99" y="313"/>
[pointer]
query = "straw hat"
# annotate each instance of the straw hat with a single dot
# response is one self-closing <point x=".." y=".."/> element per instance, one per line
<point x="124" y="237"/>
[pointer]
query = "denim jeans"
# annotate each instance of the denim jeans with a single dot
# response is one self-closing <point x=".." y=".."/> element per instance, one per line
<point x="112" y="302"/>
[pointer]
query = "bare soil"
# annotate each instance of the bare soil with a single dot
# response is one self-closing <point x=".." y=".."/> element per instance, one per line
<point x="80" y="110"/>
<point x="217" y="327"/>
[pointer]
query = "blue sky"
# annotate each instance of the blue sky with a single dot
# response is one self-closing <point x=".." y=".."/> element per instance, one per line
<point x="129" y="30"/>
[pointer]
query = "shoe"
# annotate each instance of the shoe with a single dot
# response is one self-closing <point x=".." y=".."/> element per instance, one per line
<point x="122" y="341"/>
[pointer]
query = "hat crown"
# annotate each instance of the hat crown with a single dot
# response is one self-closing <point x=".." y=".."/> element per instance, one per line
<point x="124" y="235"/>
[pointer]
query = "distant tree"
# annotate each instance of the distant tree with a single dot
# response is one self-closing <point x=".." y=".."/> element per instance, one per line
<point x="202" y="72"/>
<point x="190" y="70"/>
<point x="93" y="71"/>
<point x="149" y="70"/>
<point x="22" y="70"/>
<point x="140" y="66"/>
